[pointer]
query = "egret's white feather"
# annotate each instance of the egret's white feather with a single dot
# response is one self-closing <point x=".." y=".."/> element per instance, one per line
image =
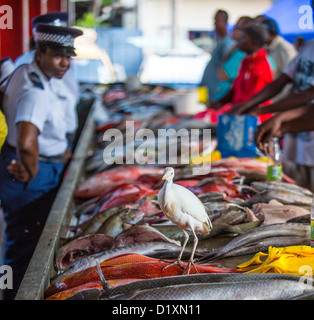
<point x="177" y="201"/>
<point x="183" y="208"/>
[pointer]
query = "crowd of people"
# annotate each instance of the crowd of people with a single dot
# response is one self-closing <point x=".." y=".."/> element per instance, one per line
<point x="272" y="80"/>
<point x="38" y="101"/>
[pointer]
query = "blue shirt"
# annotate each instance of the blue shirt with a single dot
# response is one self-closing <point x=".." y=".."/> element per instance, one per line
<point x="230" y="67"/>
<point x="210" y="79"/>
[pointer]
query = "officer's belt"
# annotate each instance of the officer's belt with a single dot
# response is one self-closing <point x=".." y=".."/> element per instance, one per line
<point x="53" y="159"/>
<point x="49" y="159"/>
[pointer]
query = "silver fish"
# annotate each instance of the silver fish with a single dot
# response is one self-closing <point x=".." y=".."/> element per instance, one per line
<point x="211" y="287"/>
<point x="212" y="196"/>
<point x="278" y="185"/>
<point x="114" y="225"/>
<point x="303" y="219"/>
<point x="91" y="226"/>
<point x="263" y="245"/>
<point x="218" y="209"/>
<point x="231" y="217"/>
<point x="283" y="196"/>
<point x="276" y="212"/>
<point x="139" y="232"/>
<point x="279" y="234"/>
<point x="174" y="232"/>
<point x="78" y="248"/>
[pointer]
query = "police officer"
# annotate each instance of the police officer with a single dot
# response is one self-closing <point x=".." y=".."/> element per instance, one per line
<point x="67" y="87"/>
<point x="31" y="161"/>
<point x="59" y="19"/>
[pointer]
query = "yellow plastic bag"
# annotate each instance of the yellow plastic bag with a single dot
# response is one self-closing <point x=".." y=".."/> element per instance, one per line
<point x="291" y="260"/>
<point x="3" y="129"/>
<point x="206" y="158"/>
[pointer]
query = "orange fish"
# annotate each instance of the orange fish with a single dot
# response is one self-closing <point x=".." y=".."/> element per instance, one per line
<point x="87" y="286"/>
<point x="130" y="193"/>
<point x="99" y="183"/>
<point x="129" y="266"/>
<point x="217" y="186"/>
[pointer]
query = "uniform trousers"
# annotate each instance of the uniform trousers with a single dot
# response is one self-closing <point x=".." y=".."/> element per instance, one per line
<point x="26" y="208"/>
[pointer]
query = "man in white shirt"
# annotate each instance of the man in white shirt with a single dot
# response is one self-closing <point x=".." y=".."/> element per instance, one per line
<point x="31" y="161"/>
<point x="279" y="49"/>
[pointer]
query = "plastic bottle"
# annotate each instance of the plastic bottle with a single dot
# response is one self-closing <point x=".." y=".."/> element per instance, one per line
<point x="274" y="166"/>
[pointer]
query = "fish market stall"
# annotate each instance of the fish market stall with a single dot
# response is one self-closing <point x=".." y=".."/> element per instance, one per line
<point x="108" y="233"/>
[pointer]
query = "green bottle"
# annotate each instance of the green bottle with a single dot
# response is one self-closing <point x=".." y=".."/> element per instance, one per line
<point x="274" y="166"/>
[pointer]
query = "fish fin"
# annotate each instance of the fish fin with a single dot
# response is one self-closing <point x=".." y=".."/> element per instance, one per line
<point x="275" y="202"/>
<point x="251" y="215"/>
<point x="106" y="287"/>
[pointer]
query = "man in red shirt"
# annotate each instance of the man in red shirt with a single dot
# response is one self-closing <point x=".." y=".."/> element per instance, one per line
<point x="254" y="73"/>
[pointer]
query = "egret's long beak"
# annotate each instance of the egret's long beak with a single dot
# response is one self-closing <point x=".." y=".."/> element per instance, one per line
<point x="165" y="176"/>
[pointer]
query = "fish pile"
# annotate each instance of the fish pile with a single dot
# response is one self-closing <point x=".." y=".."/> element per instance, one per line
<point x="213" y="286"/>
<point x="128" y="266"/>
<point x="119" y="240"/>
<point x="260" y="238"/>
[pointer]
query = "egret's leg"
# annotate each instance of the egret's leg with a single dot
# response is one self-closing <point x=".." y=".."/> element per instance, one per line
<point x="178" y="261"/>
<point x="186" y="239"/>
<point x="191" y="262"/>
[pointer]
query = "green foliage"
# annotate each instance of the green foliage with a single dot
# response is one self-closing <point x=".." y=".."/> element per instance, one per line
<point x="106" y="2"/>
<point x="87" y="21"/>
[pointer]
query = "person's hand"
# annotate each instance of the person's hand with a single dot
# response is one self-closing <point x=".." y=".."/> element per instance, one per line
<point x="266" y="131"/>
<point x="67" y="156"/>
<point x="216" y="105"/>
<point x="221" y="74"/>
<point x="255" y="112"/>
<point x="237" y="109"/>
<point x="19" y="172"/>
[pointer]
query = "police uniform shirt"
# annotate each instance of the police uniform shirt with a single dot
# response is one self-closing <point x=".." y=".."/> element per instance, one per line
<point x="67" y="88"/>
<point x="68" y="91"/>
<point x="31" y="97"/>
<point x="25" y="58"/>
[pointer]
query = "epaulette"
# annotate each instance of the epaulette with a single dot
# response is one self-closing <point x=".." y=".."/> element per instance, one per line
<point x="34" y="77"/>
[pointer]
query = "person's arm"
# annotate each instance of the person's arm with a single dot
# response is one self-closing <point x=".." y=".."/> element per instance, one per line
<point x="265" y="94"/>
<point x="280" y="124"/>
<point x="226" y="99"/>
<point x="26" y="168"/>
<point x="291" y="101"/>
<point x="302" y="124"/>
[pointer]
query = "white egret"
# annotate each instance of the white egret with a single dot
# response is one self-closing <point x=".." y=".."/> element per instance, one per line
<point x="183" y="208"/>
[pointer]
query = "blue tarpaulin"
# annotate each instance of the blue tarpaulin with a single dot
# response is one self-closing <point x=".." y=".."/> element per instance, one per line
<point x="289" y="17"/>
